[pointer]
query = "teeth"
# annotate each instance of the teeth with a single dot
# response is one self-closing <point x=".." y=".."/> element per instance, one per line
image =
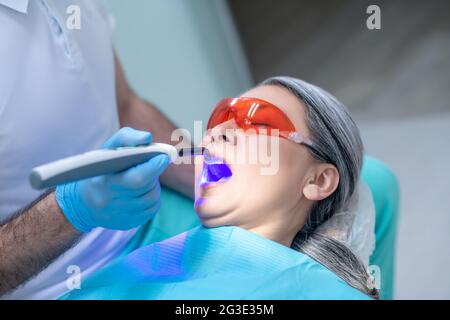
<point x="215" y="170"/>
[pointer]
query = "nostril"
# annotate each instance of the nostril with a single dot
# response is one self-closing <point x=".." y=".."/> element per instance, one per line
<point x="221" y="137"/>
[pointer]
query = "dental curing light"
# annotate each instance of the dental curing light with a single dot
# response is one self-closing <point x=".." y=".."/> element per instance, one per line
<point x="103" y="161"/>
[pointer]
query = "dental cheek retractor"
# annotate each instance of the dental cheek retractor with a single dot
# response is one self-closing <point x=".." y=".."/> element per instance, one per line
<point x="103" y="161"/>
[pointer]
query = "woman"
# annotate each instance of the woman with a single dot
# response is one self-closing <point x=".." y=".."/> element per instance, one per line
<point x="259" y="230"/>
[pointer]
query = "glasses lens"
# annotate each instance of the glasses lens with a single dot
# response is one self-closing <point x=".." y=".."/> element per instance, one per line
<point x="260" y="115"/>
<point x="220" y="114"/>
<point x="251" y="113"/>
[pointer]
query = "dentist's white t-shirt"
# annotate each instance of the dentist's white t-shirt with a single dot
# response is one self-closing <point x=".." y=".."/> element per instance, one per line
<point x="57" y="98"/>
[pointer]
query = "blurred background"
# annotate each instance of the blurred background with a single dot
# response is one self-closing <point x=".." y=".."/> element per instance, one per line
<point x="184" y="55"/>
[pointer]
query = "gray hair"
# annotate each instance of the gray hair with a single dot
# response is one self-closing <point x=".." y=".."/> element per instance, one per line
<point x="336" y="140"/>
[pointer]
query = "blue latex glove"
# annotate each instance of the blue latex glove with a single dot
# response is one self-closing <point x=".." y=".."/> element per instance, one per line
<point x="119" y="201"/>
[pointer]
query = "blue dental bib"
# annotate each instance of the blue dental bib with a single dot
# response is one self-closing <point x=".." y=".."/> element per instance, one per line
<point x="215" y="263"/>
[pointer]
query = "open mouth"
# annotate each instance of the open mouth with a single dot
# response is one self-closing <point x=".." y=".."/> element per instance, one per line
<point x="215" y="171"/>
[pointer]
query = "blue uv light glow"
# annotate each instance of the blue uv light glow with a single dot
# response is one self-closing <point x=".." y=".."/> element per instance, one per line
<point x="215" y="169"/>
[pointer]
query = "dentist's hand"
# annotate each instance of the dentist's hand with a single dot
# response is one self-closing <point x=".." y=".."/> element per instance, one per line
<point x="118" y="201"/>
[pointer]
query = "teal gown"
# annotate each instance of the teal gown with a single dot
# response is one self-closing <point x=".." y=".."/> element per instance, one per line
<point x="215" y="263"/>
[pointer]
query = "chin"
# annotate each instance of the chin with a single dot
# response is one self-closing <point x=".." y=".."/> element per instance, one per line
<point x="210" y="216"/>
<point x="210" y="223"/>
<point x="209" y="203"/>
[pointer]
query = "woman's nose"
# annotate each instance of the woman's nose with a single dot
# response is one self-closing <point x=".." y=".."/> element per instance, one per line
<point x="224" y="133"/>
<point x="220" y="137"/>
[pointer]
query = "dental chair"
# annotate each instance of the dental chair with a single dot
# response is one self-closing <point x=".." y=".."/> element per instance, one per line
<point x="177" y="215"/>
<point x="385" y="191"/>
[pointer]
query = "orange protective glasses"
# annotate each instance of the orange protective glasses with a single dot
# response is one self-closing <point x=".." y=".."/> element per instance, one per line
<point x="258" y="115"/>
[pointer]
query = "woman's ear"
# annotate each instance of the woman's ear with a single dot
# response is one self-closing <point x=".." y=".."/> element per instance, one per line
<point x="323" y="182"/>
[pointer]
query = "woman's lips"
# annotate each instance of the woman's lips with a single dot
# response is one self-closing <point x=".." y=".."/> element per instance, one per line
<point x="215" y="172"/>
<point x="211" y="185"/>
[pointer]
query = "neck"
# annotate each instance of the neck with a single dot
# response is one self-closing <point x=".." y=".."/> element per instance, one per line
<point x="274" y="234"/>
<point x="281" y="226"/>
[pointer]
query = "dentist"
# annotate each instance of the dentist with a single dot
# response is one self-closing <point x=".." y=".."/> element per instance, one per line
<point x="63" y="92"/>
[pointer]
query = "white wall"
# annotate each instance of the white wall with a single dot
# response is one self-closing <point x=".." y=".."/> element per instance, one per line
<point x="416" y="149"/>
<point x="182" y="55"/>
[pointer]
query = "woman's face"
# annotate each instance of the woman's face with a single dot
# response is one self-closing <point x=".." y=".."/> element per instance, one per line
<point x="249" y="198"/>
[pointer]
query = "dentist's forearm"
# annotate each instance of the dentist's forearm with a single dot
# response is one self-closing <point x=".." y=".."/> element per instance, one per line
<point x="31" y="240"/>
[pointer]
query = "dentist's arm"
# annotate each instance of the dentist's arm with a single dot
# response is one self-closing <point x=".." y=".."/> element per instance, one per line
<point x="49" y="226"/>
<point x="33" y="238"/>
<point x="140" y="114"/>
